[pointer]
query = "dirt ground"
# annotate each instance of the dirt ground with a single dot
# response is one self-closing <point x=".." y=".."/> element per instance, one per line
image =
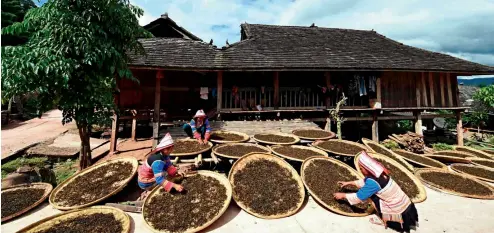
<point x="439" y="213"/>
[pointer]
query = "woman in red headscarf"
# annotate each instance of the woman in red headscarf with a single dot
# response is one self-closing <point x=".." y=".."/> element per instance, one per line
<point x="391" y="203"/>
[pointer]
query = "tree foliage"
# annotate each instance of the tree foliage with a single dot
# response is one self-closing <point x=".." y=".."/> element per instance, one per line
<point x="75" y="52"/>
<point x="14" y="11"/>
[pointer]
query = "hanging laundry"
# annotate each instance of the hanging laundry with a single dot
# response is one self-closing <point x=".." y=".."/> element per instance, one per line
<point x="204" y="93"/>
<point x="353" y="86"/>
<point x="234" y="90"/>
<point x="214" y="92"/>
<point x="372" y="83"/>
<point x="362" y="88"/>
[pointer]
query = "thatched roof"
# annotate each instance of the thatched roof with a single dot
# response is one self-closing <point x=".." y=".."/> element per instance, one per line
<point x="164" y="26"/>
<point x="270" y="47"/>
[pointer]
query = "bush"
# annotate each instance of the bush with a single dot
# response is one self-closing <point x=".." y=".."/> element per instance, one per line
<point x="390" y="144"/>
<point x="12" y="166"/>
<point x="442" y="146"/>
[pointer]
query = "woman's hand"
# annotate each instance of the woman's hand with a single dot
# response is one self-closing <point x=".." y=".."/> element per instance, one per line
<point x="178" y="187"/>
<point x="343" y="183"/>
<point x="339" y="196"/>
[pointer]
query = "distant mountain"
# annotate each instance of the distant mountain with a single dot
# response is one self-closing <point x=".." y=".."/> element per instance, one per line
<point x="476" y="81"/>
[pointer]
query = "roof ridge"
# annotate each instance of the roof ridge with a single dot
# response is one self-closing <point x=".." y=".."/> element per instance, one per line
<point x="306" y="27"/>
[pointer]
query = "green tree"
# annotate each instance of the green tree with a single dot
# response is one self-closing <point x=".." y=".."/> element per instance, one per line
<point x="75" y="52"/>
<point x="14" y="11"/>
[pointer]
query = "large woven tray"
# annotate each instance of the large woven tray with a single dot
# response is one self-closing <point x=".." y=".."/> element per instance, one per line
<point x="295" y="139"/>
<point x="422" y="194"/>
<point x="318" y="151"/>
<point x="245" y="137"/>
<point x="135" y="165"/>
<point x="240" y="164"/>
<point x="454" y="168"/>
<point x="52" y="220"/>
<point x="307" y="162"/>
<point x="368" y="142"/>
<point x="443" y="166"/>
<point x="47" y="187"/>
<point x="332" y="135"/>
<point x="475" y="161"/>
<point x="219" y="177"/>
<point x="448" y="159"/>
<point x="431" y="185"/>
<point x="210" y="145"/>
<point x="316" y="144"/>
<point x="473" y="151"/>
<point x="215" y="149"/>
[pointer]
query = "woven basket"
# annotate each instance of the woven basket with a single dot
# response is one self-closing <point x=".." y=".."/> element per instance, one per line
<point x="443" y="166"/>
<point x="316" y="144"/>
<point x="215" y="149"/>
<point x="219" y="177"/>
<point x="454" y="167"/>
<point x="331" y="134"/>
<point x="431" y="185"/>
<point x="47" y="187"/>
<point x="422" y="194"/>
<point x="391" y="155"/>
<point x="135" y="165"/>
<point x="446" y="152"/>
<point x="307" y="162"/>
<point x="55" y="219"/>
<point x="315" y="150"/>
<point x="245" y="137"/>
<point x="295" y="139"/>
<point x="448" y="159"/>
<point x="476" y="160"/>
<point x="240" y="164"/>
<point x="474" y="152"/>
<point x="210" y="145"/>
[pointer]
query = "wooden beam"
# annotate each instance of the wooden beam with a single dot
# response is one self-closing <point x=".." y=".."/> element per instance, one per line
<point x="418" y="123"/>
<point x="327" y="76"/>
<point x="114" y="134"/>
<point x="417" y="91"/>
<point x="457" y="91"/>
<point x="378" y="91"/>
<point x="157" y="107"/>
<point x="449" y="88"/>
<point x="276" y="84"/>
<point x="431" y="88"/>
<point x="459" y="128"/>
<point x="441" y="85"/>
<point x="375" y="128"/>
<point x="424" y="90"/>
<point x="219" y="82"/>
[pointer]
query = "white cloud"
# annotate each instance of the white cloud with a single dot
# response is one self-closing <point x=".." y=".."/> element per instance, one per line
<point x="460" y="28"/>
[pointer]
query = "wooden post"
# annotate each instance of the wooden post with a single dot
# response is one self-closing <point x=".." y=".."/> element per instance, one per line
<point x="114" y="133"/>
<point x="418" y="92"/>
<point x="375" y="127"/>
<point x="219" y="82"/>
<point x="418" y="123"/>
<point x="450" y="92"/>
<point x="378" y="91"/>
<point x="276" y="83"/>
<point x="424" y="90"/>
<point x="156" y="115"/>
<point x="459" y="129"/>
<point x="134" y="125"/>
<point x="441" y="85"/>
<point x="457" y="91"/>
<point x="328" y="83"/>
<point x="431" y="88"/>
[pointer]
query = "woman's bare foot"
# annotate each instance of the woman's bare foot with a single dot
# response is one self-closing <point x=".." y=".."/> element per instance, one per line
<point x="376" y="221"/>
<point x="143" y="196"/>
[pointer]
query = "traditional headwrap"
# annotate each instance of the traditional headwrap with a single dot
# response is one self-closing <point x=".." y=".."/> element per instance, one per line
<point x="166" y="142"/>
<point x="371" y="165"/>
<point x="200" y="113"/>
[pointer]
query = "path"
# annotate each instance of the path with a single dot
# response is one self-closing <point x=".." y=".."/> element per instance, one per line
<point x="19" y="135"/>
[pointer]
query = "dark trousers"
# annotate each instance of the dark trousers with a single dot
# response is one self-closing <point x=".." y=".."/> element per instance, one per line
<point x="188" y="130"/>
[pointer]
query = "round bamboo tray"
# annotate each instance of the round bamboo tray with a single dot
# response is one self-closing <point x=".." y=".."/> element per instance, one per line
<point x="316" y="144"/>
<point x="133" y="161"/>
<point x="476" y="160"/>
<point x="489" y="151"/>
<point x="295" y="139"/>
<point x="315" y="150"/>
<point x="474" y="152"/>
<point x="47" y="223"/>
<point x="331" y="134"/>
<point x="307" y="162"/>
<point x="210" y="145"/>
<point x="394" y="156"/>
<point x="422" y="194"/>
<point x="219" y="177"/>
<point x="436" y="187"/>
<point x="240" y="164"/>
<point x="446" y="152"/>
<point x="442" y="165"/>
<point x="455" y="165"/>
<point x="245" y="137"/>
<point x="215" y="149"/>
<point x="448" y="159"/>
<point x="46" y="186"/>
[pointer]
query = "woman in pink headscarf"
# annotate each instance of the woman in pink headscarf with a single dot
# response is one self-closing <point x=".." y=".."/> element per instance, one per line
<point x="393" y="206"/>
